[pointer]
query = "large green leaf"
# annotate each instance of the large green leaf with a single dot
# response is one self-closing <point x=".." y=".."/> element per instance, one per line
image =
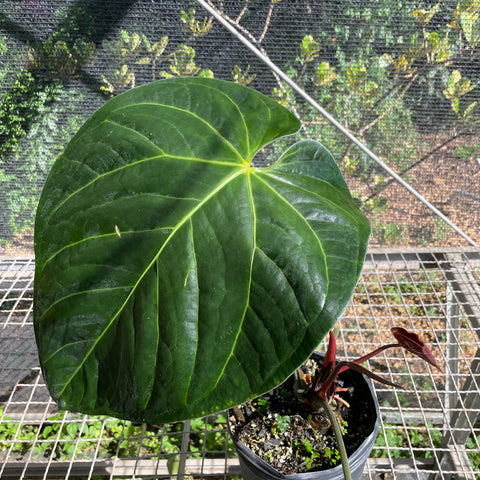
<point x="174" y="279"/>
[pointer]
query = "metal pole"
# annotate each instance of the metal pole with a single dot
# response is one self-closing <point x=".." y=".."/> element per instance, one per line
<point x="452" y="330"/>
<point x="328" y="117"/>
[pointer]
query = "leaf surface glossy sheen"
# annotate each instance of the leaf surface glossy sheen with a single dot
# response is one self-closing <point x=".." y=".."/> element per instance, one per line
<point x="173" y="278"/>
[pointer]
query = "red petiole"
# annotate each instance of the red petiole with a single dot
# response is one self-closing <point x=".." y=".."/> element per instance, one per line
<point x="325" y="386"/>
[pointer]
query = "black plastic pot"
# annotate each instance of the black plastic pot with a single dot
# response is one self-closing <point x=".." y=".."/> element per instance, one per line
<point x="254" y="468"/>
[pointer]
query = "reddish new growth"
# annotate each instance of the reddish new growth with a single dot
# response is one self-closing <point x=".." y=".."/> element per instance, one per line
<point x="326" y="386"/>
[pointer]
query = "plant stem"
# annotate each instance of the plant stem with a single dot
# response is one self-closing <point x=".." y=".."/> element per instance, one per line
<point x="267" y="22"/>
<point x="339" y="436"/>
<point x="345" y="365"/>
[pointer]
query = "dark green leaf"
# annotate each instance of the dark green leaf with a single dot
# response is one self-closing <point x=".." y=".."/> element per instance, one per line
<point x="173" y="279"/>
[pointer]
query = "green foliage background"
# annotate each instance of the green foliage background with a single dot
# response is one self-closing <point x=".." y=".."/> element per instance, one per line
<point x="392" y="72"/>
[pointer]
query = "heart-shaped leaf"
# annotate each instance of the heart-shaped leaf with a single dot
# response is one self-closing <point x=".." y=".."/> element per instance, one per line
<point x="173" y="279"/>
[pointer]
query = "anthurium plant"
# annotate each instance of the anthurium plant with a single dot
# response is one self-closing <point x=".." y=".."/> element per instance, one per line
<point x="318" y="395"/>
<point x="174" y="276"/>
<point x="325" y="385"/>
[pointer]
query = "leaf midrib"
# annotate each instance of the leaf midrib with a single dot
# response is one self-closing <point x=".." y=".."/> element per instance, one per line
<point x="248" y="172"/>
<point x="239" y="330"/>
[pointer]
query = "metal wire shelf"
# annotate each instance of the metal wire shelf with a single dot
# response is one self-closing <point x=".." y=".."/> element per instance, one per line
<point x="429" y="430"/>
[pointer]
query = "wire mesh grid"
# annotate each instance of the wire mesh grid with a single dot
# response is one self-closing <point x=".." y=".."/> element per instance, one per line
<point x="429" y="429"/>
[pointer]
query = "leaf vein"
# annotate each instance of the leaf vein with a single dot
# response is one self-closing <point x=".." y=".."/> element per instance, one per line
<point x="105" y="235"/>
<point x="200" y="119"/>
<point x="78" y="293"/>
<point x="157" y="255"/>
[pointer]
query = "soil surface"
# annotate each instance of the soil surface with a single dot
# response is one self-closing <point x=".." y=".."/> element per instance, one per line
<point x="291" y="438"/>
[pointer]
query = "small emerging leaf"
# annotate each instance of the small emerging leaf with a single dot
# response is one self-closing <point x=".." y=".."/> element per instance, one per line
<point x="356" y="75"/>
<point x="414" y="344"/>
<point x="331" y="355"/>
